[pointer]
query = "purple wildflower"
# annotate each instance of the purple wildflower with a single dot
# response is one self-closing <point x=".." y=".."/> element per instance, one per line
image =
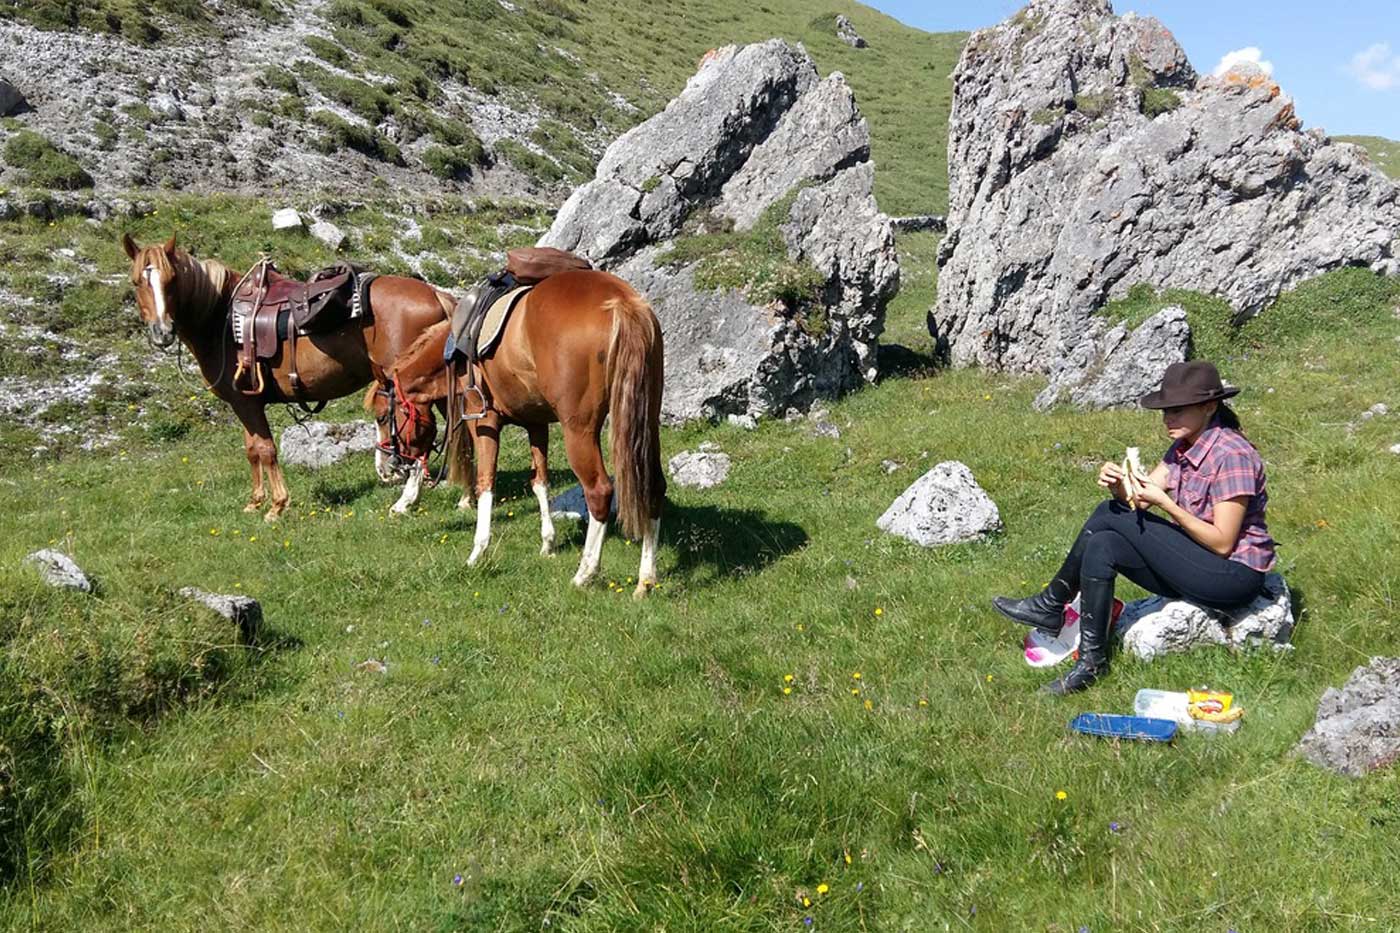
<point x="1083" y="930"/>
<point x="457" y="880"/>
<point x="1113" y="827"/>
<point x="860" y="886"/>
<point x="435" y="659"/>
<point x="807" y="921"/>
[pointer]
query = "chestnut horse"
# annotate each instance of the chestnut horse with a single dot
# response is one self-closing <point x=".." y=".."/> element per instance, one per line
<point x="179" y="296"/>
<point x="580" y="346"/>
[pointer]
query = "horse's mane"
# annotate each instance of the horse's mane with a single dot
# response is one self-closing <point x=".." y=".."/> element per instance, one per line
<point x="416" y="362"/>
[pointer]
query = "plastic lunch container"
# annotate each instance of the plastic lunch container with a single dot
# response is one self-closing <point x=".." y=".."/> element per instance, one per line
<point x="1166" y="704"/>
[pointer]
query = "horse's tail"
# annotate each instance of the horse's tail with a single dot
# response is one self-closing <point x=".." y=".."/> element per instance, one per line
<point x="459" y="441"/>
<point x="634" y="404"/>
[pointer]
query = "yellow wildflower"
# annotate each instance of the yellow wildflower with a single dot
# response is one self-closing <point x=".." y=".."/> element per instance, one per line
<point x="787" y="690"/>
<point x="1061" y="795"/>
<point x="788" y="678"/>
<point x="856" y="676"/>
<point x="822" y="888"/>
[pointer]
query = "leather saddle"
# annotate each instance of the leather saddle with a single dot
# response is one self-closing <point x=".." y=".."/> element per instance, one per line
<point x="270" y="309"/>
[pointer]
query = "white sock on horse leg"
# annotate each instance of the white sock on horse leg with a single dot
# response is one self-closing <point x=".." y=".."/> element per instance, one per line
<point x="592" y="551"/>
<point x="483" y="527"/>
<point x="411" y="490"/>
<point x="646" y="574"/>
<point x="546" y="522"/>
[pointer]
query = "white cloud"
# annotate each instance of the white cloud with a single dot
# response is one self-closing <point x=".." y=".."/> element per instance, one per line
<point x="1250" y="54"/>
<point x="1376" y="67"/>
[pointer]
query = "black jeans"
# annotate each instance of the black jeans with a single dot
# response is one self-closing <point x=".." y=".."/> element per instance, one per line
<point x="1158" y="556"/>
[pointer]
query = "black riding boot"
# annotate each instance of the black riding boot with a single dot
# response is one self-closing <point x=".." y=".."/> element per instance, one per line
<point x="1045" y="610"/>
<point x="1095" y="621"/>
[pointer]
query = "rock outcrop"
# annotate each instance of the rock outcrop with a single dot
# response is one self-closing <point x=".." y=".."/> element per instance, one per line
<point x="1086" y="155"/>
<point x="758" y="149"/>
<point x="319" y="444"/>
<point x="10" y="98"/>
<point x="1114" y="367"/>
<point x="846" y="32"/>
<point x="1358" y="726"/>
<point x="944" y="506"/>
<point x="1157" y="625"/>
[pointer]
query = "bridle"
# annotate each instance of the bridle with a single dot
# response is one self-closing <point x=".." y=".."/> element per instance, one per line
<point x="396" y="445"/>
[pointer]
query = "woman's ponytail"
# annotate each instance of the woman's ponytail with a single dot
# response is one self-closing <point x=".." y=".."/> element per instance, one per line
<point x="1227" y="417"/>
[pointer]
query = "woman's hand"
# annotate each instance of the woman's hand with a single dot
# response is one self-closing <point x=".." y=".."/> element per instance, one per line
<point x="1150" y="494"/>
<point x="1111" y="478"/>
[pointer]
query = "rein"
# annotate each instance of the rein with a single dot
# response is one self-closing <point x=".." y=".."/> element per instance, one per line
<point x="396" y="445"/>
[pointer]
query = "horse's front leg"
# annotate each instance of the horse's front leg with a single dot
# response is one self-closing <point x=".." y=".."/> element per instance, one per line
<point x="488" y="445"/>
<point x="411" y="488"/>
<point x="250" y="450"/>
<point x="254" y="419"/>
<point x="539" y="484"/>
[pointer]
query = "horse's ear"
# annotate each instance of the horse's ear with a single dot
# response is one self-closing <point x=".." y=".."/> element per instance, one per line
<point x="169" y="246"/>
<point x="130" y="246"/>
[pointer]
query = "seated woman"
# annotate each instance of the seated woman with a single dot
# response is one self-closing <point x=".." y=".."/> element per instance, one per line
<point x="1215" y="549"/>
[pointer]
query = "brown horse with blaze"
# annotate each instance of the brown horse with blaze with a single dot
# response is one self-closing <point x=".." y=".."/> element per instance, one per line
<point x="582" y="345"/>
<point x="180" y="297"/>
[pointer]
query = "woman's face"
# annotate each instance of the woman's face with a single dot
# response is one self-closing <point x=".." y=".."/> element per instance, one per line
<point x="1187" y="421"/>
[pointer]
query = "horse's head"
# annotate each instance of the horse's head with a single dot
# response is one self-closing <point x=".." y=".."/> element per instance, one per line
<point x="406" y="430"/>
<point x="153" y="276"/>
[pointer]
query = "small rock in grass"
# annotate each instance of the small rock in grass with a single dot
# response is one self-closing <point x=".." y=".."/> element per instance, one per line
<point x="328" y="233"/>
<point x="1358" y="727"/>
<point x="372" y="666"/>
<point x="1395" y="449"/>
<point x="944" y="506"/>
<point x="699" y="470"/>
<point x="59" y="570"/>
<point x="243" y="611"/>
<point x="747" y="422"/>
<point x="890" y="466"/>
<point x="286" y="219"/>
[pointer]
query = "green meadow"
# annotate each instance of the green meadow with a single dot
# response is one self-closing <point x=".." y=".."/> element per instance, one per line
<point x="539" y="757"/>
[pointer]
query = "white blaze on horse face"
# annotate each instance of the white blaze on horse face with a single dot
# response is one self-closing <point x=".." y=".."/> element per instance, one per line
<point x="592" y="551"/>
<point x="646" y="574"/>
<point x="483" y="527"/>
<point x="546" y="522"/>
<point x="157" y="294"/>
<point x="410" y="492"/>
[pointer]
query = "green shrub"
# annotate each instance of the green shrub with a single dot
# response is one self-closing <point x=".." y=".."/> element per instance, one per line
<point x="1159" y="100"/>
<point x="364" y="100"/>
<point x="340" y="134"/>
<point x="1047" y="115"/>
<point x="327" y="51"/>
<point x="1093" y="106"/>
<point x="105" y="135"/>
<point x="44" y="165"/>
<point x="449" y="161"/>
<point x="279" y="79"/>
<point x="531" y="163"/>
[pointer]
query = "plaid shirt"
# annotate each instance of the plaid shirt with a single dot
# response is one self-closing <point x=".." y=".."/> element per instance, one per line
<point x="1223" y="465"/>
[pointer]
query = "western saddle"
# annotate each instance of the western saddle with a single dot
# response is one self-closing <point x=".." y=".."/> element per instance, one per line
<point x="269" y="309"/>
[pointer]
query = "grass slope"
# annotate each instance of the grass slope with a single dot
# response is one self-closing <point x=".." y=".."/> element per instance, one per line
<point x="569" y="59"/>
<point x="1384" y="152"/>
<point x="536" y="755"/>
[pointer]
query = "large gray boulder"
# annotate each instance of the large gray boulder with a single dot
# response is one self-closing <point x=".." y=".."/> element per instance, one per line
<point x="944" y="506"/>
<point x="702" y="469"/>
<point x="319" y="444"/>
<point x="753" y="132"/>
<point x="1358" y="726"/>
<point x="1114" y="367"/>
<point x="1157" y="625"/>
<point x="1086" y="156"/>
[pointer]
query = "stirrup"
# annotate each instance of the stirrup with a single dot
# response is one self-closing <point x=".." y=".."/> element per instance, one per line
<point x="238" y="372"/>
<point x="468" y="416"/>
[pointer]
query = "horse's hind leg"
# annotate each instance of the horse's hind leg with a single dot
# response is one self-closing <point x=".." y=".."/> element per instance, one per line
<point x="255" y="423"/>
<point x="586" y="458"/>
<point x="488" y="443"/>
<point x="539" y="484"/>
<point x="646" y="574"/>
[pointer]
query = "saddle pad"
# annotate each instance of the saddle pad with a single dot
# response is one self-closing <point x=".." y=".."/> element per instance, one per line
<point x="495" y="322"/>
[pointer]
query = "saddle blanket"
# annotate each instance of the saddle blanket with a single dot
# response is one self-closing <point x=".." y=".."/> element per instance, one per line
<point x="493" y="325"/>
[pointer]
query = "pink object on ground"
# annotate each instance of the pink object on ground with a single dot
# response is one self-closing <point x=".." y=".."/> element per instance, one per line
<point x="1045" y="650"/>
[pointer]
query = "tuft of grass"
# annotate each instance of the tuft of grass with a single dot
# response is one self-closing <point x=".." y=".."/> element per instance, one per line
<point x="1094" y="106"/>
<point x="755" y="261"/>
<point x="341" y="134"/>
<point x="450" y="161"/>
<point x="1159" y="100"/>
<point x="327" y="51"/>
<point x="44" y="164"/>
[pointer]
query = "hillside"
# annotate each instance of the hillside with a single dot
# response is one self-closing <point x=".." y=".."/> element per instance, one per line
<point x="350" y="95"/>
<point x="1384" y="152"/>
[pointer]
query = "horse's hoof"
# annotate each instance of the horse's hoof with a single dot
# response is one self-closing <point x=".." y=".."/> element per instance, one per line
<point x="476" y="556"/>
<point x="398" y="509"/>
<point x="581" y="581"/>
<point x="253" y="507"/>
<point x="640" y="593"/>
<point x="547" y="549"/>
<point x="273" y="517"/>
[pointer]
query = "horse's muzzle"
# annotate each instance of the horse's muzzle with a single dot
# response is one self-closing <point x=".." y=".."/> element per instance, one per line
<point x="162" y="335"/>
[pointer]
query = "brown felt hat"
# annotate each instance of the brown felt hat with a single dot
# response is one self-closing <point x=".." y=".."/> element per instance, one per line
<point x="1193" y="383"/>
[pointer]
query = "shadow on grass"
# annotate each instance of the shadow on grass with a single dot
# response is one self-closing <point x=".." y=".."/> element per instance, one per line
<point x="712" y="542"/>
<point x="342" y="492"/>
<point x="896" y="360"/>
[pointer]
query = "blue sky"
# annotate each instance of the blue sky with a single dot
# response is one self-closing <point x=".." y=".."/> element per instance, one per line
<point x="1339" y="60"/>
